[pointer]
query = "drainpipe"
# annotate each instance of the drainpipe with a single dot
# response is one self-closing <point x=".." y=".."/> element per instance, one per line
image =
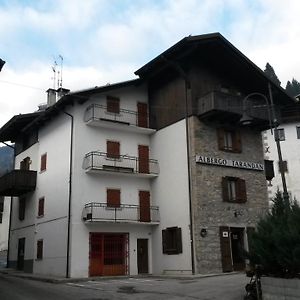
<point x="187" y="82"/>
<point x="70" y="197"/>
<point x="10" y="209"/>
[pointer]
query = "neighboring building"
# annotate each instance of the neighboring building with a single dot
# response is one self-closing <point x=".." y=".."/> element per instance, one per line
<point x="153" y="175"/>
<point x="4" y="222"/>
<point x="289" y="136"/>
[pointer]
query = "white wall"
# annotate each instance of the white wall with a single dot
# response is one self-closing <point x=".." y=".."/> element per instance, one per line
<point x="4" y="226"/>
<point x="170" y="193"/>
<point x="291" y="152"/>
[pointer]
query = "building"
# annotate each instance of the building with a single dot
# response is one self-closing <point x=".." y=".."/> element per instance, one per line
<point x="289" y="136"/>
<point x="153" y="175"/>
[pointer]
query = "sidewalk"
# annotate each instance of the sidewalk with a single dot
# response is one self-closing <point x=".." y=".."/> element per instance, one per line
<point x="57" y="280"/>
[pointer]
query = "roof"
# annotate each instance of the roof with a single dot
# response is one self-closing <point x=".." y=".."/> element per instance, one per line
<point x="218" y="52"/>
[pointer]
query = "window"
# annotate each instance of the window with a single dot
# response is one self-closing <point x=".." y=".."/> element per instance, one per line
<point x="234" y="189"/>
<point x="1" y="208"/>
<point x="280" y="134"/>
<point x="283" y="167"/>
<point x="229" y="140"/>
<point x="41" y="207"/>
<point x="113" y="104"/>
<point x="298" y="132"/>
<point x="113" y="197"/>
<point x="171" y="240"/>
<point x="22" y="206"/>
<point x="39" y="252"/>
<point x="43" y="162"/>
<point x="113" y="149"/>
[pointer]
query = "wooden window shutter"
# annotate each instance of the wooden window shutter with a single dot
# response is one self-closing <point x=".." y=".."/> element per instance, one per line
<point x="237" y="143"/>
<point x="113" y="149"/>
<point x="43" y="162"/>
<point x="225" y="192"/>
<point x="41" y="207"/>
<point x="113" y="198"/>
<point x="164" y="241"/>
<point x="178" y="241"/>
<point x="39" y="254"/>
<point x="241" y="194"/>
<point x="220" y="135"/>
<point x="113" y="104"/>
<point x="225" y="249"/>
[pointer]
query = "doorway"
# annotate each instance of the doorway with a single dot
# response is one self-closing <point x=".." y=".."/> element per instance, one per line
<point x="21" y="254"/>
<point x="232" y="247"/>
<point x="142" y="256"/>
<point x="143" y="159"/>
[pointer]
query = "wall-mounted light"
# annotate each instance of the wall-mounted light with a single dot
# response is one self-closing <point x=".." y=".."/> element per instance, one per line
<point x="203" y="232"/>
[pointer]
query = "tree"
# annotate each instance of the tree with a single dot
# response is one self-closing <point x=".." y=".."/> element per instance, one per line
<point x="269" y="71"/>
<point x="293" y="88"/>
<point x="275" y="245"/>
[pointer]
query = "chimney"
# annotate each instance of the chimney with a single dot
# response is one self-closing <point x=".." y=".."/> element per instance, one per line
<point x="51" y="99"/>
<point x="61" y="92"/>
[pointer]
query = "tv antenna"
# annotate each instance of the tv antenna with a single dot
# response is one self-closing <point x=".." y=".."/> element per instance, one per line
<point x="57" y="72"/>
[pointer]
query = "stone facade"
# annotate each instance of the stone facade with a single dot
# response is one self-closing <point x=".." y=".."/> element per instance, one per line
<point x="209" y="209"/>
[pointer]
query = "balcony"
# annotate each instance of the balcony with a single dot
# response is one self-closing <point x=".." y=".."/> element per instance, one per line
<point x="95" y="162"/>
<point x="223" y="107"/>
<point x="125" y="120"/>
<point x="17" y="183"/>
<point x="125" y="213"/>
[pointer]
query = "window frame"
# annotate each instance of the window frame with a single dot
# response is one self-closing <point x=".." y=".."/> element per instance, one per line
<point x="172" y="240"/>
<point x="280" y="134"/>
<point x="240" y="192"/>
<point x="43" y="162"/>
<point x="223" y="135"/>
<point x="39" y="249"/>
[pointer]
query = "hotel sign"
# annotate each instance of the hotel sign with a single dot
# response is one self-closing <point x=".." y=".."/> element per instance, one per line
<point x="222" y="162"/>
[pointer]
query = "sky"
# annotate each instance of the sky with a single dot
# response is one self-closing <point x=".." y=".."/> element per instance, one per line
<point x="104" y="41"/>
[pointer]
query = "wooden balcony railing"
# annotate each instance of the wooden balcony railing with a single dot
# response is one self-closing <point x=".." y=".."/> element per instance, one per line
<point x="101" y="212"/>
<point x="17" y="182"/>
<point x="101" y="161"/>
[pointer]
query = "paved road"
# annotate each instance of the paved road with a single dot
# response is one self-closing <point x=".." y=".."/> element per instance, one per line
<point x="229" y="287"/>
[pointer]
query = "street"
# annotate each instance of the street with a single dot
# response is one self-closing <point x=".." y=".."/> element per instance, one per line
<point x="227" y="287"/>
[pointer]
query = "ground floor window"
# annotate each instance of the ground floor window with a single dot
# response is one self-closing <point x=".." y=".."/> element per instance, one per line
<point x="172" y="240"/>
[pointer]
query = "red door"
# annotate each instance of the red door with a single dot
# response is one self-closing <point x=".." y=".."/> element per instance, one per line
<point x="143" y="159"/>
<point x="96" y="254"/>
<point x="142" y="117"/>
<point x="144" y="206"/>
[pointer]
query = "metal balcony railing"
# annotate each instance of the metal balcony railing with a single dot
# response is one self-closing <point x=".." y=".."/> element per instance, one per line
<point x="96" y="160"/>
<point x="17" y="182"/>
<point x="97" y="112"/>
<point x="101" y="212"/>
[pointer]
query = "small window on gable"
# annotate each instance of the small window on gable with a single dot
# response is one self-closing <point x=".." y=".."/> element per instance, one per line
<point x="43" y="162"/>
<point x="113" y="149"/>
<point x="234" y="189"/>
<point x="229" y="140"/>
<point x="280" y="134"/>
<point x="39" y="252"/>
<point x="41" y="207"/>
<point x="113" y="197"/>
<point x="22" y="207"/>
<point x="113" y="104"/>
<point x="172" y="240"/>
<point x="298" y="132"/>
<point x="283" y="166"/>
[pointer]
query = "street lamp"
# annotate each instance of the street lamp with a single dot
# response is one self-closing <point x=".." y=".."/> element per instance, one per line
<point x="273" y="122"/>
<point x="2" y="62"/>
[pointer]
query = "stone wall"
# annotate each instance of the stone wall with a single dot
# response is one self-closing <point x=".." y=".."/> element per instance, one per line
<point x="209" y="210"/>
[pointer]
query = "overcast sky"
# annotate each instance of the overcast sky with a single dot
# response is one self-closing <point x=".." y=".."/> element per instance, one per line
<point x="105" y="41"/>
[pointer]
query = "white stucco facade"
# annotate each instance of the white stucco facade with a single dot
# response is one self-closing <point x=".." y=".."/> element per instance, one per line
<point x="4" y="225"/>
<point x="290" y="148"/>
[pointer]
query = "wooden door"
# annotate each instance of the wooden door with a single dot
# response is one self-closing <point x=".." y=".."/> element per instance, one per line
<point x="113" y="149"/>
<point x="225" y="249"/>
<point x="144" y="197"/>
<point x="237" y="248"/>
<point x="142" y="115"/>
<point x="96" y="254"/>
<point x="21" y="254"/>
<point x="143" y="159"/>
<point x="142" y="256"/>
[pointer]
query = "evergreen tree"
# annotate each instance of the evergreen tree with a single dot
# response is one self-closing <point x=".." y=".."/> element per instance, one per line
<point x="276" y="243"/>
<point x="293" y="88"/>
<point x="269" y="71"/>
